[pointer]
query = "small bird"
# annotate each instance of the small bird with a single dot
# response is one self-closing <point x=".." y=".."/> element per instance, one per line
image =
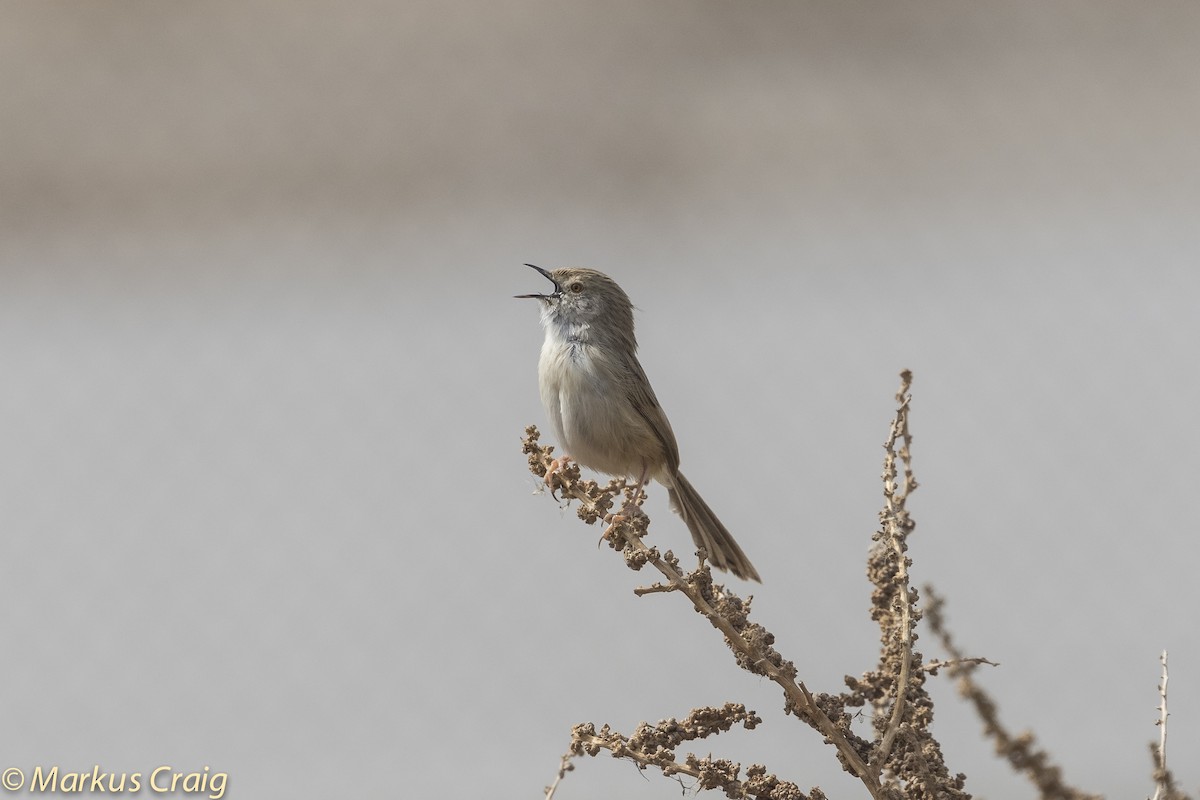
<point x="602" y="408"/>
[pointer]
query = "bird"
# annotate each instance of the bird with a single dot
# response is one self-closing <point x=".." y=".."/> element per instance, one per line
<point x="602" y="408"/>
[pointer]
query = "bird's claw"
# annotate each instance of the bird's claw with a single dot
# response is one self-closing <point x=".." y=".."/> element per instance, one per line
<point x="552" y="481"/>
<point x="613" y="520"/>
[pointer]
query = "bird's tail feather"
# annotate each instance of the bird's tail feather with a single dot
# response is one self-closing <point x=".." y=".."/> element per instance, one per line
<point x="707" y="530"/>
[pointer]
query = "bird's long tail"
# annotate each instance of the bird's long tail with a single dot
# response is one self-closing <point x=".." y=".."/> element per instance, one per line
<point x="707" y="530"/>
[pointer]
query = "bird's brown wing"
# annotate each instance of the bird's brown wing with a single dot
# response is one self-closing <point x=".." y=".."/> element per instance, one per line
<point x="641" y="397"/>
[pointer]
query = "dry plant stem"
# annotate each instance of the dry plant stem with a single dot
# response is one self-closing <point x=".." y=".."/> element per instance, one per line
<point x="1161" y="777"/>
<point x="936" y="664"/>
<point x="896" y="523"/>
<point x="616" y="744"/>
<point x="1164" y="781"/>
<point x="654" y="746"/>
<point x="904" y="760"/>
<point x="797" y="693"/>
<point x="905" y="756"/>
<point x="564" y="767"/>
<point x="595" y="504"/>
<point x="1020" y="751"/>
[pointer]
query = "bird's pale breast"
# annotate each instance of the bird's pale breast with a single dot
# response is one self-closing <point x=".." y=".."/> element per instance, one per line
<point x="596" y="428"/>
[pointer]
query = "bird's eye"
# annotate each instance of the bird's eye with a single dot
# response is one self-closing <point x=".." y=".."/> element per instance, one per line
<point x="576" y="287"/>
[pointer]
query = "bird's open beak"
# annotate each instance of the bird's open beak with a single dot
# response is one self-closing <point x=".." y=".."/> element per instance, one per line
<point x="549" y="277"/>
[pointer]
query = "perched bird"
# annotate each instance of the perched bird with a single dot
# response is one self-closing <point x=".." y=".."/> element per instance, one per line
<point x="602" y="408"/>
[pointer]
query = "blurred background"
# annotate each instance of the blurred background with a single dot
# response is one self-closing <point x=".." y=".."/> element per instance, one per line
<point x="262" y="497"/>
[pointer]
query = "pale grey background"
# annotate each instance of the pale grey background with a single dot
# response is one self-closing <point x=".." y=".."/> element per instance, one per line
<point x="262" y="499"/>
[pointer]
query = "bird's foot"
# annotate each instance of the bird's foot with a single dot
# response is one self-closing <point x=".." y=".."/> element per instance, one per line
<point x="552" y="480"/>
<point x="629" y="511"/>
<point x="632" y="508"/>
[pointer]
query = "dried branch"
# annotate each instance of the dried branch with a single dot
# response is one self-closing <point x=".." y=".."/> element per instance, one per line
<point x="564" y="766"/>
<point x="1020" y="750"/>
<point x="936" y="664"/>
<point x="897" y="524"/>
<point x="1164" y="781"/>
<point x="904" y="760"/>
<point x="728" y="613"/>
<point x="905" y="755"/>
<point x="653" y="746"/>
<point x="1162" y="776"/>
